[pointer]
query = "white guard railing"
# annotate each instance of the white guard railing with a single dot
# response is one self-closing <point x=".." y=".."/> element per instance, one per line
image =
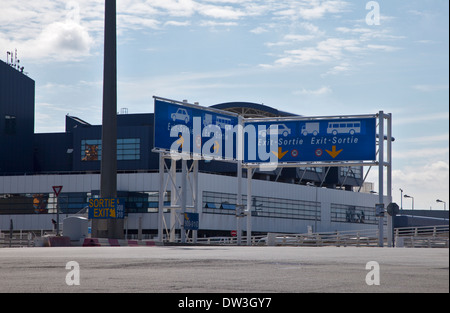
<point x="422" y="237"/>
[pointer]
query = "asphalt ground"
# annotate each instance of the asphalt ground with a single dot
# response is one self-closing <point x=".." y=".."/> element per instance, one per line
<point x="221" y="269"/>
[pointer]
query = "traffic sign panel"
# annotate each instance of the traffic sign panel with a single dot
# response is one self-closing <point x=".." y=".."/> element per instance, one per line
<point x="106" y="208"/>
<point x="57" y="190"/>
<point x="191" y="221"/>
<point x="210" y="133"/>
<point x="191" y="129"/>
<point x="337" y="139"/>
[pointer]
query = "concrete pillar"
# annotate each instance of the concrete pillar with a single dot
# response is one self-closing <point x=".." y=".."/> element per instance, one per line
<point x="108" y="185"/>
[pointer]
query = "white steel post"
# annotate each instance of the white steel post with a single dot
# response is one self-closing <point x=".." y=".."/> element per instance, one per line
<point x="380" y="175"/>
<point x="196" y="197"/>
<point x="240" y="158"/>
<point x="249" y="206"/>
<point x="161" y="198"/>
<point x="173" y="199"/>
<point x="239" y="203"/>
<point x="183" y="198"/>
<point x="390" y="224"/>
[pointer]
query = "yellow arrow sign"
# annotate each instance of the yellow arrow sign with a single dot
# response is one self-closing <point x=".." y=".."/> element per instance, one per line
<point x="280" y="154"/>
<point x="333" y="152"/>
<point x="216" y="146"/>
<point x="180" y="141"/>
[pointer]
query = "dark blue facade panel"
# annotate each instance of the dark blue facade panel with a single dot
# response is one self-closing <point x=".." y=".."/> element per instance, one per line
<point x="53" y="152"/>
<point x="79" y="134"/>
<point x="135" y="142"/>
<point x="16" y="121"/>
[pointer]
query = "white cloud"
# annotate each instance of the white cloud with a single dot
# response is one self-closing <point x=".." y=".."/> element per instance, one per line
<point x="338" y="69"/>
<point x="417" y="153"/>
<point x="60" y="41"/>
<point x="309" y="9"/>
<point x="54" y="30"/>
<point x="421" y="118"/>
<point x="318" y="92"/>
<point x="125" y="22"/>
<point x="316" y="9"/>
<point x="259" y="30"/>
<point x="353" y="30"/>
<point x="383" y="47"/>
<point x="289" y="40"/>
<point x="429" y="181"/>
<point x="325" y="51"/>
<point x="177" y="23"/>
<point x="220" y="12"/>
<point x="431" y="88"/>
<point x="217" y="24"/>
<point x="429" y="139"/>
<point x="312" y="29"/>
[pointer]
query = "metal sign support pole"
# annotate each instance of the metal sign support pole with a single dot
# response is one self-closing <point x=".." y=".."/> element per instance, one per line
<point x="239" y="204"/>
<point x="249" y="206"/>
<point x="381" y="176"/>
<point x="390" y="223"/>
<point x="161" y="198"/>
<point x="240" y="157"/>
<point x="183" y="198"/>
<point x="57" y="216"/>
<point x="173" y="199"/>
<point x="195" y="194"/>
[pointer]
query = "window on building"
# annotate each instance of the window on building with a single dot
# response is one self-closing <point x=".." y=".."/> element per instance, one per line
<point x="23" y="204"/>
<point x="315" y="169"/>
<point x="353" y="214"/>
<point x="128" y="149"/>
<point x="90" y="150"/>
<point x="223" y="203"/>
<point x="352" y="171"/>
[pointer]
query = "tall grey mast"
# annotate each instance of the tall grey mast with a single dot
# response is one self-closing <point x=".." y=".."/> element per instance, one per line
<point x="108" y="189"/>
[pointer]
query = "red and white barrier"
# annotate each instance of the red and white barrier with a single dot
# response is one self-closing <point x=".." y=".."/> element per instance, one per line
<point x="103" y="242"/>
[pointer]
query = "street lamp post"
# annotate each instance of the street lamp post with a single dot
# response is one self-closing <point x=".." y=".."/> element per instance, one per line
<point x="401" y="198"/>
<point x="406" y="196"/>
<point x="440" y="201"/>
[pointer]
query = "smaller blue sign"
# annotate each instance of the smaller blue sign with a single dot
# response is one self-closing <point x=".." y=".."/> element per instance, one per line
<point x="191" y="221"/>
<point x="192" y="129"/>
<point x="106" y="208"/>
<point x="314" y="141"/>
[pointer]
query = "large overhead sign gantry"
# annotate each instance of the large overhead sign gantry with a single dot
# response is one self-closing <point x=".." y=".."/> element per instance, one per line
<point x="191" y="132"/>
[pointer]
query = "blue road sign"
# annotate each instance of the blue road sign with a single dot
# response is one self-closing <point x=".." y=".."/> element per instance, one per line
<point x="191" y="221"/>
<point x="343" y="139"/>
<point x="191" y="129"/>
<point x="106" y="208"/>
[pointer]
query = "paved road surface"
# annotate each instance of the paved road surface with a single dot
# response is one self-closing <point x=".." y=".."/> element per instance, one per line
<point x="223" y="269"/>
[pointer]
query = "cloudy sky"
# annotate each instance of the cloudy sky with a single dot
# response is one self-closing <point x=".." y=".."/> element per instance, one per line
<point x="309" y="57"/>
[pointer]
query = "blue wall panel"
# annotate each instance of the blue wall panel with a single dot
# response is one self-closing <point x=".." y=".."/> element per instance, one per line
<point x="16" y="120"/>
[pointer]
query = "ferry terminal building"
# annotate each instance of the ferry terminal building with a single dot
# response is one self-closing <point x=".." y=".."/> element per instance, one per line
<point x="286" y="200"/>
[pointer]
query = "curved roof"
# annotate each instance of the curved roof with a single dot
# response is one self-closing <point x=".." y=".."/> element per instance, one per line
<point x="249" y="109"/>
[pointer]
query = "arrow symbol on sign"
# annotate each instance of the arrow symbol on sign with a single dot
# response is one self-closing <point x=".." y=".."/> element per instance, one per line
<point x="333" y="152"/>
<point x="216" y="146"/>
<point x="180" y="141"/>
<point x="280" y="154"/>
